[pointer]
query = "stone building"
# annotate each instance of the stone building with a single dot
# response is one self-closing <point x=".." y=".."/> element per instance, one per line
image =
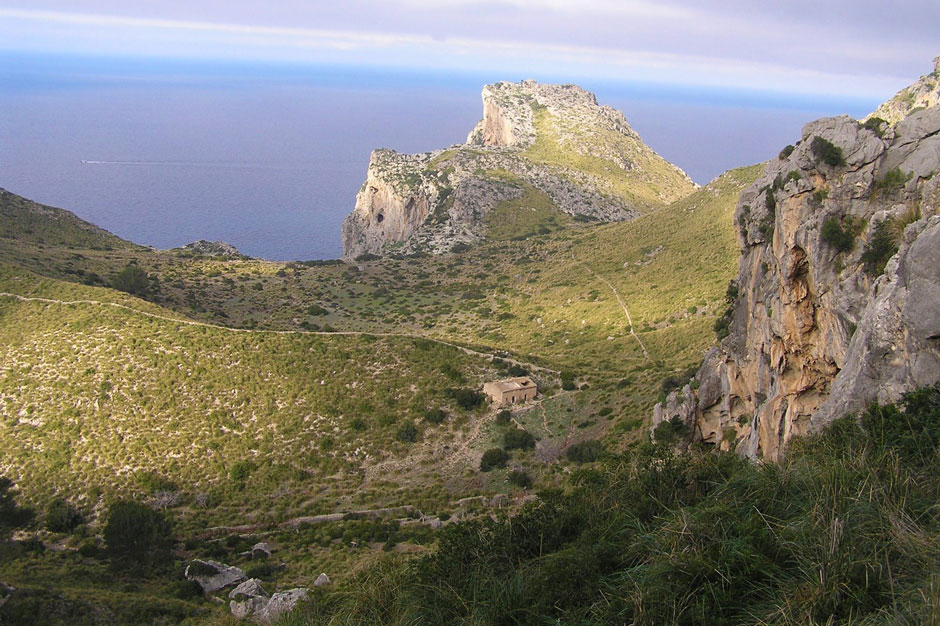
<point x="511" y="391"/>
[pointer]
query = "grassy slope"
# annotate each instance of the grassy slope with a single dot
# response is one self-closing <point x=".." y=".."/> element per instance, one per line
<point x="118" y="402"/>
<point x="27" y="221"/>
<point x="651" y="183"/>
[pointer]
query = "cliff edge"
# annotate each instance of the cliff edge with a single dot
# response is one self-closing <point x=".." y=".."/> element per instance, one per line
<point x="548" y="150"/>
<point x="837" y="298"/>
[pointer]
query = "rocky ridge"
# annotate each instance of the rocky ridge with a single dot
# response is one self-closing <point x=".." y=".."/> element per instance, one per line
<point x="923" y="94"/>
<point x="835" y="303"/>
<point x="554" y="140"/>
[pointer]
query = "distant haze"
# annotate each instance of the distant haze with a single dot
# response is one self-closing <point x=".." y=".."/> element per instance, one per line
<point x="269" y="157"/>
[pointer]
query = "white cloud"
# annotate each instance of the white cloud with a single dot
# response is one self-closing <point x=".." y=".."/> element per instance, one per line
<point x="496" y="55"/>
<point x="619" y="8"/>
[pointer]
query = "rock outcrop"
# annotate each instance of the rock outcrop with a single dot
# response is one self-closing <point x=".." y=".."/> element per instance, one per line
<point x="838" y="288"/>
<point x="923" y="94"/>
<point x="250" y="600"/>
<point x="212" y="575"/>
<point x="583" y="159"/>
<point x="212" y="248"/>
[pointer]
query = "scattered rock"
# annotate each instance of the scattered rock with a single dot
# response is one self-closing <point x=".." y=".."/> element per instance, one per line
<point x="321" y="580"/>
<point x="212" y="248"/>
<point x="435" y="523"/>
<point x="5" y="592"/>
<point x="260" y="550"/>
<point x="249" y="600"/>
<point x="212" y="575"/>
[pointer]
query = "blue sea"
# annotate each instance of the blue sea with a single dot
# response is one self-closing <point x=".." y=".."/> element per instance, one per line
<point x="269" y="157"/>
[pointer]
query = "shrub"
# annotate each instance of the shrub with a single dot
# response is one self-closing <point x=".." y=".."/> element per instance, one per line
<point x="137" y="533"/>
<point x="493" y="458"/>
<point x="520" y="478"/>
<point x="503" y="417"/>
<point x="892" y="181"/>
<point x="185" y="589"/>
<point x="518" y="439"/>
<point x="837" y="237"/>
<point x="316" y="309"/>
<point x="408" y="433"/>
<point x="876" y="125"/>
<point x="827" y="152"/>
<point x="11" y="514"/>
<point x="241" y="470"/>
<point x="466" y="398"/>
<point x="435" y="416"/>
<point x="669" y="431"/>
<point x="61" y="517"/>
<point x="132" y="280"/>
<point x="879" y="249"/>
<point x="786" y="152"/>
<point x="567" y="381"/>
<point x="585" y="451"/>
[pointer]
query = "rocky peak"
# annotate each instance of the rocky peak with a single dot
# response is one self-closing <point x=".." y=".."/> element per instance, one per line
<point x="837" y="287"/>
<point x="509" y="111"/>
<point x="545" y="145"/>
<point x="923" y="94"/>
<point x="211" y="248"/>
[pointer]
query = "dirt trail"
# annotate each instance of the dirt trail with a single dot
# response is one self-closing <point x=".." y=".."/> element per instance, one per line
<point x="623" y="304"/>
<point x="356" y="333"/>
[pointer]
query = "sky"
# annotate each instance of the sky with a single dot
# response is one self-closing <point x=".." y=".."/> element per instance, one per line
<point x="848" y="49"/>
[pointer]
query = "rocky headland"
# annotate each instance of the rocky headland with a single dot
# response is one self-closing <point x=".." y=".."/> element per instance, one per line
<point x="545" y="147"/>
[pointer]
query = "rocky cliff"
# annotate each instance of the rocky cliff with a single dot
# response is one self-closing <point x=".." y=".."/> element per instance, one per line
<point x="923" y="94"/>
<point x="551" y="142"/>
<point x="837" y="298"/>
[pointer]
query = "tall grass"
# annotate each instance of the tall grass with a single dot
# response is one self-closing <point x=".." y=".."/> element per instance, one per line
<point x="846" y="530"/>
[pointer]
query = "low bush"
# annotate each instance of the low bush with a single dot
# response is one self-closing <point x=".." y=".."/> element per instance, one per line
<point x="585" y="451"/>
<point x="827" y="152"/>
<point x="518" y="439"/>
<point x="880" y="248"/>
<point x="493" y="458"/>
<point x="839" y="238"/>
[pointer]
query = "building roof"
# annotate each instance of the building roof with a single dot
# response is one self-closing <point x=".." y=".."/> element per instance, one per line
<point x="514" y="384"/>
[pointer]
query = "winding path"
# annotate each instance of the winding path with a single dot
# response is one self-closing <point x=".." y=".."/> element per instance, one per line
<point x="623" y="304"/>
<point x="355" y="333"/>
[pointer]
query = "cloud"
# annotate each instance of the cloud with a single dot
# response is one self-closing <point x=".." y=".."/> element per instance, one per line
<point x="619" y="8"/>
<point x="498" y="53"/>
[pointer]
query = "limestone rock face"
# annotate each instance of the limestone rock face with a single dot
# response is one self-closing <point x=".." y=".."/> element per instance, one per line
<point x="814" y="334"/>
<point x="553" y="141"/>
<point x="923" y="94"/>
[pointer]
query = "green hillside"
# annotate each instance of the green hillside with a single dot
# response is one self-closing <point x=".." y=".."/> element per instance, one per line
<point x="244" y="395"/>
<point x="23" y="220"/>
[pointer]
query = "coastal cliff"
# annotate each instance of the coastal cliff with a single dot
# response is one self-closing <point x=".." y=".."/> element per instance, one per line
<point x="549" y="149"/>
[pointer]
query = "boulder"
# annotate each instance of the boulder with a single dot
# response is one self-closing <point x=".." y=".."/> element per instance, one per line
<point x="260" y="550"/>
<point x="321" y="580"/>
<point x="212" y="575"/>
<point x="249" y="600"/>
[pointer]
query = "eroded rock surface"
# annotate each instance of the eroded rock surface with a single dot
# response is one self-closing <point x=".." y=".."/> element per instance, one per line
<point x="817" y="331"/>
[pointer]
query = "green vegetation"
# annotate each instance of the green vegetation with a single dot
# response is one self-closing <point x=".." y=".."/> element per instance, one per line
<point x="649" y="184"/>
<point x="493" y="458"/>
<point x="786" y="152"/>
<point x="132" y="280"/>
<point x="840" y="238"/>
<point x="876" y="125"/>
<point x="892" y="181"/>
<point x="844" y="530"/>
<point x="882" y="245"/>
<point x="827" y="152"/>
<point x="137" y="535"/>
<point x="533" y="213"/>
